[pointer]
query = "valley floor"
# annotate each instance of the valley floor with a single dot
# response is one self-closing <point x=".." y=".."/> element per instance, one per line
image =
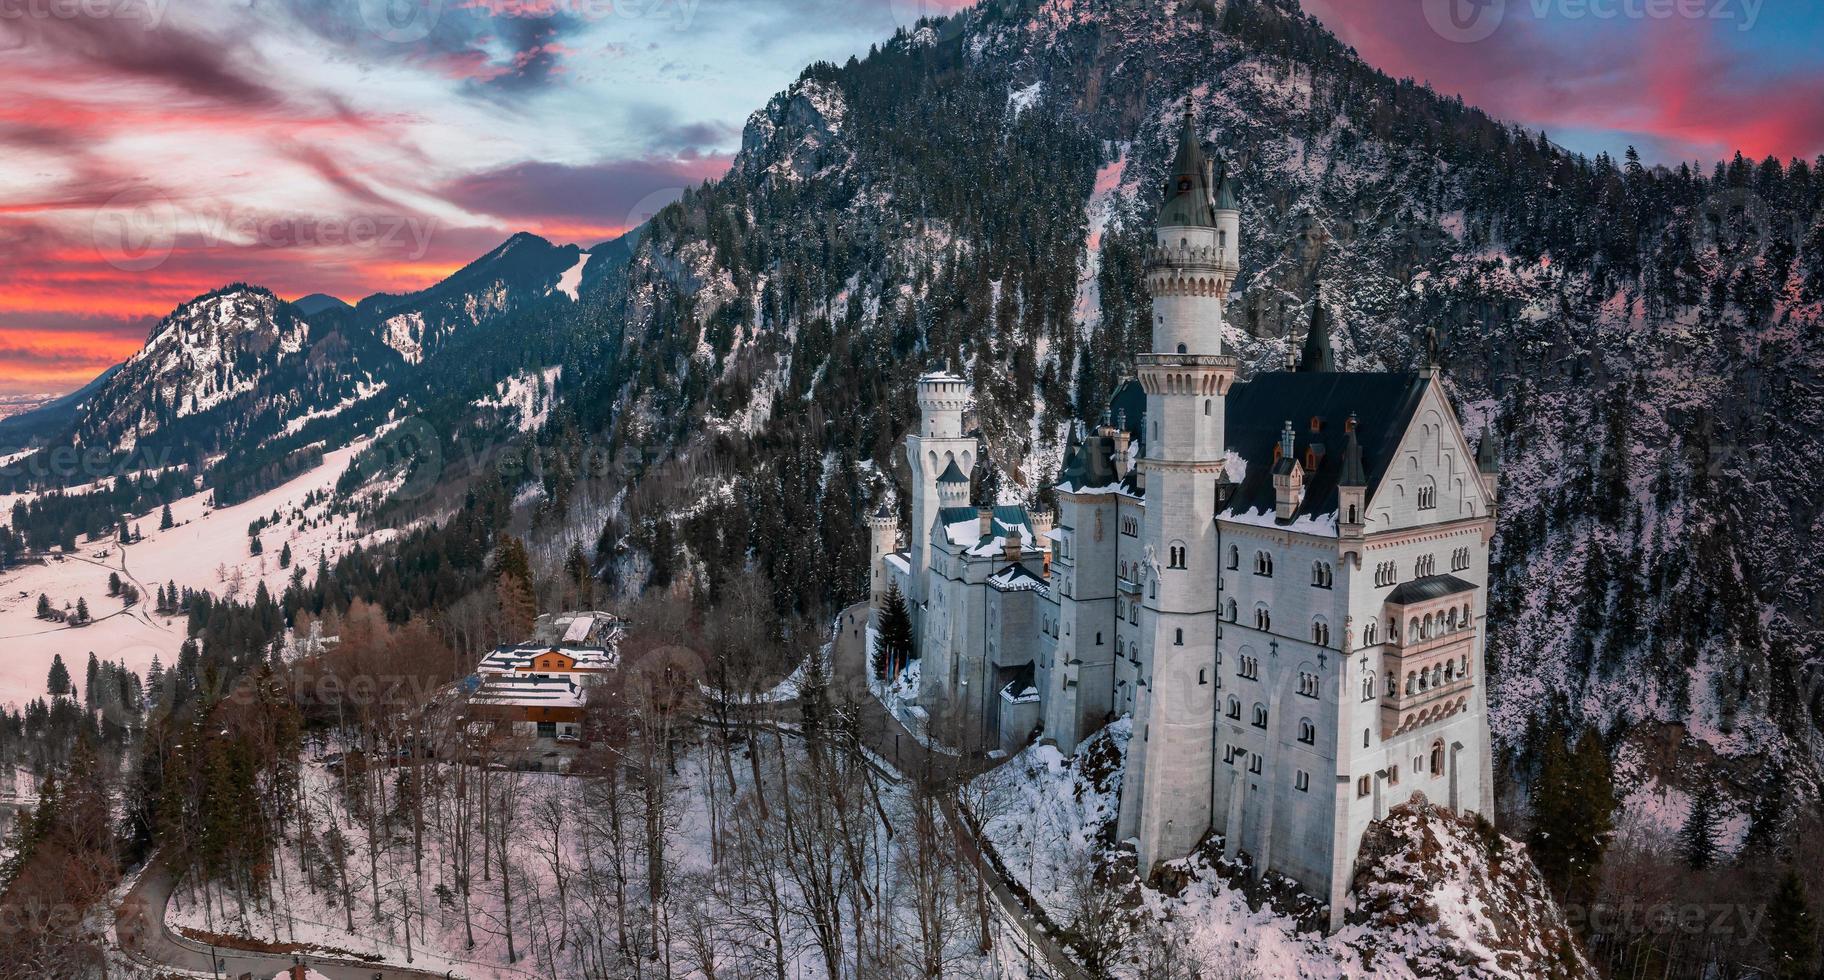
<point x="206" y="549"/>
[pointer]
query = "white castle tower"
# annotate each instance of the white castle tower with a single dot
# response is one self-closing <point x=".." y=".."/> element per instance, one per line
<point x="1187" y="378"/>
<point x="938" y="445"/>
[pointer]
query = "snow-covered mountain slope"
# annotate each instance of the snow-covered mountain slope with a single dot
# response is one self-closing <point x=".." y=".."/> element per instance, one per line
<point x="209" y="351"/>
<point x="522" y="270"/>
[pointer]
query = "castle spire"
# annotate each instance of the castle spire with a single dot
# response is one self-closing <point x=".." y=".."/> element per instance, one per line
<point x="1354" y="475"/>
<point x="1318" y="355"/>
<point x="1189" y="195"/>
<point x="1488" y="455"/>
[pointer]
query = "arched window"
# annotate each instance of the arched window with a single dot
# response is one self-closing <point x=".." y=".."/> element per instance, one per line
<point x="1178" y="638"/>
<point x="1392" y="683"/>
<point x="1362" y="786"/>
<point x="1412" y="682"/>
<point x="1232" y="612"/>
<point x="1234" y="557"/>
<point x="1437" y="758"/>
<point x="1320" y="632"/>
<point x="1206" y="408"/>
<point x="1098" y="638"/>
<point x="1263" y="620"/>
<point x="1307" y="732"/>
<point x="1234" y="707"/>
<point x="1182" y="349"/>
<point x="1368" y="634"/>
<point x="1450" y="671"/>
<point x="1412" y="630"/>
<point x="1260" y="715"/>
<point x="1367" y="686"/>
<point x="1309" y="683"/>
<point x="1364" y="745"/>
<point x="1203" y="676"/>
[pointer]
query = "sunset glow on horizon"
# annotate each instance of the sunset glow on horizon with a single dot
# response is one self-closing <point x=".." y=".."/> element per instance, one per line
<point x="302" y="145"/>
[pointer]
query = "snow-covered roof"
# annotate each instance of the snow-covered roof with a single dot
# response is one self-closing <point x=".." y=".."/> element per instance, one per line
<point x="529" y="691"/>
<point x="1016" y="578"/>
<point x="519" y="657"/>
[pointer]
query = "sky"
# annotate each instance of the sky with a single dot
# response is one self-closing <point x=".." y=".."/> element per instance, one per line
<point x="152" y="150"/>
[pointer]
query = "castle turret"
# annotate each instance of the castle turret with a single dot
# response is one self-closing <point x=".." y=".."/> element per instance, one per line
<point x="1186" y="377"/>
<point x="1351" y="486"/>
<point x="1193" y="262"/>
<point x="938" y="446"/>
<point x="1288" y="476"/>
<point x="883" y="537"/>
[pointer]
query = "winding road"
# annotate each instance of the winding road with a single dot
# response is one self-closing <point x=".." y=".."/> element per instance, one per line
<point x="140" y="925"/>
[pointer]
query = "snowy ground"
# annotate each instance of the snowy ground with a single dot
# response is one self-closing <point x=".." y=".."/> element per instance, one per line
<point x="207" y="549"/>
<point x="576" y="849"/>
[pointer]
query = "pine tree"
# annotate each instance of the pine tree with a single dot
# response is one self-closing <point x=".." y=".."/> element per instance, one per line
<point x="91" y="682"/>
<point x="82" y="610"/>
<point x="44" y="606"/>
<point x="1697" y="842"/>
<point x="285" y="555"/>
<point x="165" y="522"/>
<point x="893" y="643"/>
<point x="58" y="681"/>
<point x="1792" y="939"/>
<point x="113" y="583"/>
<point x="1573" y="815"/>
<point x="254" y="547"/>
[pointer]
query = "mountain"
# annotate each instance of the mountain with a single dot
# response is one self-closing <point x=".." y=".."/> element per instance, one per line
<point x="524" y="268"/>
<point x="317" y="303"/>
<point x="979" y="190"/>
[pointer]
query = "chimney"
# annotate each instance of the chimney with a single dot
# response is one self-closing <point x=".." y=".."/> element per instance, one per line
<point x="987" y="520"/>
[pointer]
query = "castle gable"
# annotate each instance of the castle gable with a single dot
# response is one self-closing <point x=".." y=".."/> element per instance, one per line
<point x="1383" y="406"/>
<point x="1429" y="476"/>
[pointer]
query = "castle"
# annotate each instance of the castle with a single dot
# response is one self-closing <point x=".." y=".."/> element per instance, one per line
<point x="1282" y="581"/>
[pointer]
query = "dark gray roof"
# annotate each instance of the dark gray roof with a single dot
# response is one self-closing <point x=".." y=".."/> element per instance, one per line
<point x="1382" y="404"/>
<point x="883" y="510"/>
<point x="1188" y="194"/>
<point x="952" y="474"/>
<point x="1091" y="462"/>
<point x="1429" y="587"/>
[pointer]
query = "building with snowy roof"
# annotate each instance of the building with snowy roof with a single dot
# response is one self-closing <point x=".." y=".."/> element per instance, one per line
<point x="1282" y="580"/>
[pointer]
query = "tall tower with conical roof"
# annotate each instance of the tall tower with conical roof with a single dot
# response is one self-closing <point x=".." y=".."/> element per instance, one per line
<point x="1187" y="377"/>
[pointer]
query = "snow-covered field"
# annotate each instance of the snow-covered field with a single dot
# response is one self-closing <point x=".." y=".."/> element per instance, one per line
<point x="206" y="549"/>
